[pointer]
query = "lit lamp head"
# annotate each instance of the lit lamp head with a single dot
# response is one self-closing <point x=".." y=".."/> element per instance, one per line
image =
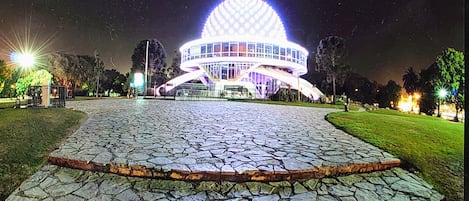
<point x="25" y="60"/>
<point x="138" y="79"/>
<point x="442" y="93"/>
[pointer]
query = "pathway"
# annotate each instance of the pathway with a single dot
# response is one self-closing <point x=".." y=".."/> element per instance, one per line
<point x="290" y="151"/>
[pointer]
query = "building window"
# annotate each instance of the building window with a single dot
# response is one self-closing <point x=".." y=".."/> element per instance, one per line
<point x="209" y="49"/>
<point x="216" y="49"/>
<point x="251" y="50"/>
<point x="282" y="53"/>
<point x="268" y="50"/>
<point x="233" y="49"/>
<point x="242" y="49"/>
<point x="203" y="51"/>
<point x="225" y="49"/>
<point x="275" y="51"/>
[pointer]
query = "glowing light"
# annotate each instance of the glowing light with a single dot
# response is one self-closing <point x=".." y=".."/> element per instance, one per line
<point x="442" y="93"/>
<point x="25" y="48"/>
<point x="407" y="103"/>
<point x="25" y="60"/>
<point x="228" y="15"/>
<point x="138" y="79"/>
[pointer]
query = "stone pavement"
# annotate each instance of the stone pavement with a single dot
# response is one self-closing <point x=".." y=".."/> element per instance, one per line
<point x="210" y="144"/>
<point x="58" y="183"/>
<point x="228" y="141"/>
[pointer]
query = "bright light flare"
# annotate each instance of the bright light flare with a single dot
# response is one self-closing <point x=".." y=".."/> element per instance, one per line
<point x="28" y="48"/>
<point x="407" y="103"/>
<point x="25" y="60"/>
<point x="442" y="93"/>
<point x="138" y="79"/>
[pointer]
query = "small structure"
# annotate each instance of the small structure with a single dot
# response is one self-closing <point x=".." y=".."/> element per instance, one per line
<point x="47" y="96"/>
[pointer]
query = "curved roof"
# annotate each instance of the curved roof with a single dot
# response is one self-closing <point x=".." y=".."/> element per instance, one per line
<point x="253" y="18"/>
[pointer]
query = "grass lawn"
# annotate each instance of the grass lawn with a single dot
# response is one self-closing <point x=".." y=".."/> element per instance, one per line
<point x="27" y="137"/>
<point x="433" y="146"/>
<point x="303" y="104"/>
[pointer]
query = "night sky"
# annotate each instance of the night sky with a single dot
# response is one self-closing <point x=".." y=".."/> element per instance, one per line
<point x="384" y="38"/>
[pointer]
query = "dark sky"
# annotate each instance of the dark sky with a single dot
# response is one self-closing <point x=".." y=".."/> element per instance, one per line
<point x="383" y="37"/>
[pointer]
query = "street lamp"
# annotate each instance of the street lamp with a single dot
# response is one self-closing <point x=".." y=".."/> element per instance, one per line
<point x="441" y="94"/>
<point x="25" y="60"/>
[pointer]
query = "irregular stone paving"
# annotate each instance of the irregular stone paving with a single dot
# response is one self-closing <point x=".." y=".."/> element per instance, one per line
<point x="229" y="137"/>
<point x="58" y="183"/>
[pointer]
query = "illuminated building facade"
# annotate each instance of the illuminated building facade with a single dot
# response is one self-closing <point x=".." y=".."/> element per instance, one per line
<point x="244" y="52"/>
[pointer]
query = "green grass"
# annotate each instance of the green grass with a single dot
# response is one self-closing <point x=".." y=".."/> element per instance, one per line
<point x="433" y="146"/>
<point x="81" y="98"/>
<point x="303" y="104"/>
<point x="27" y="136"/>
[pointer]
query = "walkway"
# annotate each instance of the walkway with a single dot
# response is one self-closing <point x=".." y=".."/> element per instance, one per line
<point x="221" y="150"/>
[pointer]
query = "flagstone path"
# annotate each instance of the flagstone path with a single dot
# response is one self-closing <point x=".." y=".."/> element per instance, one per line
<point x="184" y="150"/>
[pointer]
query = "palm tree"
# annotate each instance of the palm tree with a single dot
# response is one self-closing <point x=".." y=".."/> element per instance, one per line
<point x="410" y="79"/>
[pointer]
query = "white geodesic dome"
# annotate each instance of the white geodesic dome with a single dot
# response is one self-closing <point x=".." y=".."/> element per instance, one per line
<point x="252" y="18"/>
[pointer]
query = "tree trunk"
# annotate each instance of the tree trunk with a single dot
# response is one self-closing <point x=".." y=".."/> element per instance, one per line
<point x="456" y="119"/>
<point x="411" y="103"/>
<point x="333" y="89"/>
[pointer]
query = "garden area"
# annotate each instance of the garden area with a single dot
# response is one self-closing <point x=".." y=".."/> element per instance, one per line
<point x="432" y="147"/>
<point x="27" y="137"/>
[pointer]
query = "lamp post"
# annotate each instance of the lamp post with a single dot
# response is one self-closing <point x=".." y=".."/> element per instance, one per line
<point x="441" y="94"/>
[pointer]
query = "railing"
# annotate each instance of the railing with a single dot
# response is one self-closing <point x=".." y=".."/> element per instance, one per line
<point x="224" y="94"/>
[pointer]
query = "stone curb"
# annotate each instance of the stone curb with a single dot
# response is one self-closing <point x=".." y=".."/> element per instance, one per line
<point x="249" y="175"/>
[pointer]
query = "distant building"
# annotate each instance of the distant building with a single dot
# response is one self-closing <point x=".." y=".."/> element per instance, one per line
<point x="244" y="52"/>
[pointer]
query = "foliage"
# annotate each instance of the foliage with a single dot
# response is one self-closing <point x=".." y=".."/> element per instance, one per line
<point x="35" y="78"/>
<point x="330" y="54"/>
<point x="75" y="70"/>
<point x="113" y="80"/>
<point x="452" y="76"/>
<point x="5" y="74"/>
<point x="410" y="79"/>
<point x="387" y="94"/>
<point x="359" y="88"/>
<point x="433" y="146"/>
<point x="426" y="85"/>
<point x="174" y="70"/>
<point x="27" y="137"/>
<point x="287" y="95"/>
<point x="156" y="60"/>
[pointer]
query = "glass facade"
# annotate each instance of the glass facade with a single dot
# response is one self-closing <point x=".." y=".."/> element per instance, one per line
<point x="244" y="49"/>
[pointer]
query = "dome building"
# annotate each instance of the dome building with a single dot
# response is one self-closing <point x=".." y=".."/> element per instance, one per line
<point x="244" y="52"/>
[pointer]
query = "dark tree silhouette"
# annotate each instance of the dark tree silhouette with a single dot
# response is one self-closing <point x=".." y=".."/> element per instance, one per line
<point x="426" y="84"/>
<point x="410" y="79"/>
<point x="156" y="60"/>
<point x="387" y="94"/>
<point x="330" y="54"/>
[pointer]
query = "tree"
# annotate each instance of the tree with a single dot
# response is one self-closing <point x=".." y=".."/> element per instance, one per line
<point x="36" y="78"/>
<point x="410" y="79"/>
<point x="113" y="80"/>
<point x="331" y="52"/>
<point x="174" y="70"/>
<point x="360" y="88"/>
<point x="426" y="84"/>
<point x="156" y="60"/>
<point x="450" y="64"/>
<point x="75" y="71"/>
<point x="6" y="74"/>
<point x="388" y="94"/>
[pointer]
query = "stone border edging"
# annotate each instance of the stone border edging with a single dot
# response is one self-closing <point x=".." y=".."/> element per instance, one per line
<point x="250" y="175"/>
